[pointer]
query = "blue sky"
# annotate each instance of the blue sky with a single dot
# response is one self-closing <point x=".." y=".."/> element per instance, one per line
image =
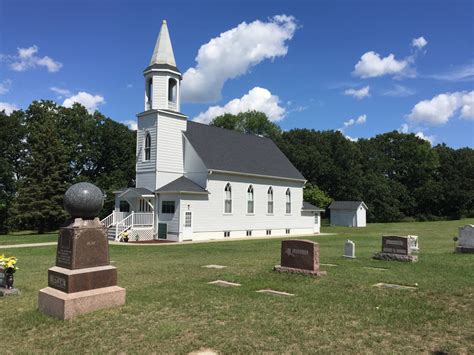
<point x="350" y="65"/>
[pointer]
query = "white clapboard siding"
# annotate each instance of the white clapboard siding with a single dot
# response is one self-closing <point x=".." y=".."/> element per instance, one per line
<point x="194" y="168"/>
<point x="172" y="220"/>
<point x="160" y="92"/>
<point x="146" y="169"/>
<point x="208" y="210"/>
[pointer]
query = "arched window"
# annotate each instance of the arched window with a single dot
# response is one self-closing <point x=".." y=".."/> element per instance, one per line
<point x="172" y="88"/>
<point x="149" y="93"/>
<point x="250" y="199"/>
<point x="288" y="201"/>
<point x="270" y="200"/>
<point x="147" y="146"/>
<point x="228" y="199"/>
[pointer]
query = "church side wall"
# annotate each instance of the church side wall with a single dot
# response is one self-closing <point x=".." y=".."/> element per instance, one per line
<point x="172" y="220"/>
<point x="146" y="170"/>
<point x="210" y="221"/>
<point x="194" y="168"/>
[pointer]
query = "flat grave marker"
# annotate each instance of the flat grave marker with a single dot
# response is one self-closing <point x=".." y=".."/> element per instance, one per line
<point x="212" y="266"/>
<point x="394" y="286"/>
<point x="224" y="283"/>
<point x="275" y="293"/>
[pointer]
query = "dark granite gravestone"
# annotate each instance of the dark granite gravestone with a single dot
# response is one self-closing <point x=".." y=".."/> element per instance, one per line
<point x="83" y="279"/>
<point x="3" y="279"/>
<point x="396" y="248"/>
<point x="299" y="256"/>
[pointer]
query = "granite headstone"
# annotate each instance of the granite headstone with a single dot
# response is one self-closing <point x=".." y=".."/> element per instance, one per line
<point x="83" y="279"/>
<point x="396" y="248"/>
<point x="299" y="256"/>
<point x="465" y="239"/>
<point x="349" y="249"/>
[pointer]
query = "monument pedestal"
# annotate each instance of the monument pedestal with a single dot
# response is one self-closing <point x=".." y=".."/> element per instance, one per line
<point x="64" y="306"/>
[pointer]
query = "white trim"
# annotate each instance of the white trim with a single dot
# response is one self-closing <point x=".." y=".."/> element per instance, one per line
<point x="184" y="192"/>
<point x="210" y="171"/>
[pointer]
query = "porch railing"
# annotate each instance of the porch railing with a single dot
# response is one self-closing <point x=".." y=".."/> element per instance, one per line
<point x="142" y="219"/>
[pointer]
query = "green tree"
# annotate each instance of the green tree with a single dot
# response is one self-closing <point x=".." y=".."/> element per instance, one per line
<point x="316" y="196"/>
<point x="45" y="172"/>
<point x="251" y="122"/>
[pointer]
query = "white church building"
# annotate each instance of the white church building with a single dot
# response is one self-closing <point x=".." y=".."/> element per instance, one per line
<point x="198" y="182"/>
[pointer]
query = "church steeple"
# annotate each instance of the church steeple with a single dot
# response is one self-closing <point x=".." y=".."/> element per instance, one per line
<point x="162" y="77"/>
<point x="163" y="53"/>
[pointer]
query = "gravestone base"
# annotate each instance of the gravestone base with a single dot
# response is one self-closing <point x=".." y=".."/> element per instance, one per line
<point x="78" y="280"/>
<point x="9" y="292"/>
<point x="349" y="256"/>
<point x="467" y="250"/>
<point x="65" y="306"/>
<point x="395" y="257"/>
<point x="291" y="270"/>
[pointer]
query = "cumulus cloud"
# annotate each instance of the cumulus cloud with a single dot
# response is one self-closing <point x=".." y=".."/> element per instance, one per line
<point x="27" y="59"/>
<point x="233" y="53"/>
<point x="441" y="108"/>
<point x="259" y="99"/>
<point x="359" y="94"/>
<point x="89" y="101"/>
<point x="5" y="86"/>
<point x="132" y="124"/>
<point x="372" y="65"/>
<point x="421" y="135"/>
<point x="7" y="107"/>
<point x="419" y="42"/>
<point x="359" y="120"/>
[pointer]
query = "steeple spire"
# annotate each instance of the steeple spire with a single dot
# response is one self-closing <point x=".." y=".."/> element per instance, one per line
<point x="163" y="53"/>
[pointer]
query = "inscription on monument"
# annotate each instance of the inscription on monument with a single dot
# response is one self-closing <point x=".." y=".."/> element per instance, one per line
<point x="395" y="245"/>
<point x="300" y="254"/>
<point x="64" y="251"/>
<point x="57" y="281"/>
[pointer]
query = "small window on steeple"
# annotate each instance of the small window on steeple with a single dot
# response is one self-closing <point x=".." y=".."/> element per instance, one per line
<point x="172" y="90"/>
<point x="147" y="146"/>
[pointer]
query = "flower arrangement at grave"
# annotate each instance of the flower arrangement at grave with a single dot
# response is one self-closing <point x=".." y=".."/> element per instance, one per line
<point x="124" y="237"/>
<point x="8" y="265"/>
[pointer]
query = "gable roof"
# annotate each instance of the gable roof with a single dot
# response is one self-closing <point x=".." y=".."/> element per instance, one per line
<point x="347" y="205"/>
<point x="134" y="192"/>
<point x="310" y="207"/>
<point x="231" y="151"/>
<point x="180" y="185"/>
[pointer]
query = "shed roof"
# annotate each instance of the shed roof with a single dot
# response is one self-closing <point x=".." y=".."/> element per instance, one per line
<point x="231" y="151"/>
<point x="347" y="205"/>
<point x="182" y="185"/>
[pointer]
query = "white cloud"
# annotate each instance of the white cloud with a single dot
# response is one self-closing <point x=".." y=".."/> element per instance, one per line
<point x="372" y="65"/>
<point x="61" y="92"/>
<point x="419" y="42"/>
<point x="441" y="108"/>
<point x="129" y="86"/>
<point x="5" y="86"/>
<point x="132" y="124"/>
<point x="27" y="59"/>
<point x="403" y="128"/>
<point x="398" y="91"/>
<point x="258" y="99"/>
<point x="358" y="94"/>
<point x="9" y="108"/>
<point x="90" y="102"/>
<point x="359" y="120"/>
<point x="233" y="53"/>
<point x="430" y="139"/>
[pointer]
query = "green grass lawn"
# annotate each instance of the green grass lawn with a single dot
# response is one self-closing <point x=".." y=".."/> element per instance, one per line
<point x="27" y="238"/>
<point x="171" y="309"/>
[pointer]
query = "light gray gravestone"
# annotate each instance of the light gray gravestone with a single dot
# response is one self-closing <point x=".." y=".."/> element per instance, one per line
<point x="349" y="249"/>
<point x="466" y="239"/>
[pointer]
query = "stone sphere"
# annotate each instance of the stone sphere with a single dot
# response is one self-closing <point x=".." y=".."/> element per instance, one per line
<point x="83" y="200"/>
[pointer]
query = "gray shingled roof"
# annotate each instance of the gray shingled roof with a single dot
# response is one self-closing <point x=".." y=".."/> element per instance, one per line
<point x="346" y="205"/>
<point x="182" y="184"/>
<point x="309" y="207"/>
<point x="227" y="150"/>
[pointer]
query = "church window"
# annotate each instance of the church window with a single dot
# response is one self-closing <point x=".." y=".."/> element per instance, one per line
<point x="250" y="199"/>
<point x="228" y="199"/>
<point x="270" y="200"/>
<point x="172" y="90"/>
<point x="288" y="201"/>
<point x="147" y="146"/>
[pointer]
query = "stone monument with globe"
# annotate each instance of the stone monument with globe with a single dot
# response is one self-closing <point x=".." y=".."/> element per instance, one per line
<point x="83" y="279"/>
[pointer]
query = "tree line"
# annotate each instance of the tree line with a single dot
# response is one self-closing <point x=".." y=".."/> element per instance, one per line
<point x="46" y="148"/>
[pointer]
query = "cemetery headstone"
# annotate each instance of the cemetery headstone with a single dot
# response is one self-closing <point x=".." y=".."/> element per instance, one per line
<point x="83" y="279"/>
<point x="349" y="249"/>
<point x="413" y="243"/>
<point x="396" y="248"/>
<point x="465" y="239"/>
<point x="301" y="257"/>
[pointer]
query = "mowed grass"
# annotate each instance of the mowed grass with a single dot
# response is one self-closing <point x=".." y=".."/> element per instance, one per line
<point x="170" y="307"/>
<point x="27" y="238"/>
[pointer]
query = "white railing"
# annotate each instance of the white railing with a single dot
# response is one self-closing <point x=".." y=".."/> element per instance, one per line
<point x="142" y="219"/>
<point x="109" y="220"/>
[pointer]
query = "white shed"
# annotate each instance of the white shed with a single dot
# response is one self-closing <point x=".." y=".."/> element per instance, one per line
<point x="348" y="213"/>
